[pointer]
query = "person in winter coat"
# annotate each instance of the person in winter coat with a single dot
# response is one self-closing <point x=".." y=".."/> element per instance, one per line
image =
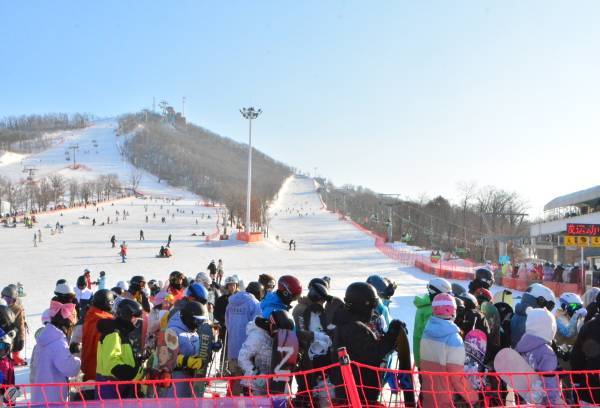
<point x="185" y="324"/>
<point x="254" y="357"/>
<point x="424" y="312"/>
<point x="288" y="290"/>
<point x="586" y="356"/>
<point x="101" y="308"/>
<point x="570" y="316"/>
<point x="83" y="296"/>
<point x="11" y="297"/>
<point x="115" y="358"/>
<point x="536" y="296"/>
<point x="547" y="272"/>
<point x="136" y="292"/>
<point x="242" y="309"/>
<point x="311" y="322"/>
<point x="442" y="350"/>
<point x="101" y="282"/>
<point x="88" y="278"/>
<point x="123" y="252"/>
<point x="52" y="361"/>
<point x="535" y="347"/>
<point x="231" y="287"/>
<point x="361" y="342"/>
<point x="558" y="273"/>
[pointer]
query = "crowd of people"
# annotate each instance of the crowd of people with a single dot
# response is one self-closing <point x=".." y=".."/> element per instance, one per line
<point x="92" y="333"/>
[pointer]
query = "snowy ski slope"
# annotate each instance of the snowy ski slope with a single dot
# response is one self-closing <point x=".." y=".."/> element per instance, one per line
<point x="325" y="245"/>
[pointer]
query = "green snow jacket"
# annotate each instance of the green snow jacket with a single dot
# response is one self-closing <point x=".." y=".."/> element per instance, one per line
<point x="424" y="312"/>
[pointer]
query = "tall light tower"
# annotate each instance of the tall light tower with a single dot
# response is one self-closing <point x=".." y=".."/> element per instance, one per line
<point x="250" y="114"/>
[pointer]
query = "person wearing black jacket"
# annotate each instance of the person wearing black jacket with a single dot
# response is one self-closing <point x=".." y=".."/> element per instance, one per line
<point x="136" y="292"/>
<point x="361" y="342"/>
<point x="586" y="356"/>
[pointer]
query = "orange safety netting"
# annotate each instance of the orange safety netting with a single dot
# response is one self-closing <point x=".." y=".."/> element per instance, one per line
<point x="344" y="384"/>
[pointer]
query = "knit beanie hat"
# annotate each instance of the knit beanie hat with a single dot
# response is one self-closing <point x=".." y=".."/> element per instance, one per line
<point x="444" y="306"/>
<point x="541" y="323"/>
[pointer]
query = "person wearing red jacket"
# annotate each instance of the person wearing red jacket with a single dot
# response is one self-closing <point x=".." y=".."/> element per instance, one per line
<point x="101" y="307"/>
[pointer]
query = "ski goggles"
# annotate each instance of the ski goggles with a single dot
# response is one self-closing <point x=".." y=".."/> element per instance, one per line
<point x="548" y="304"/>
<point x="4" y="347"/>
<point x="573" y="307"/>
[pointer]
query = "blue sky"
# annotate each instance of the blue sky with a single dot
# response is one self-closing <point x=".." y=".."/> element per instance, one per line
<point x="402" y="97"/>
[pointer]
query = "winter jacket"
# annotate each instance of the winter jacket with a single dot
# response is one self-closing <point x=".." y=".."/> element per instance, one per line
<point x="220" y="308"/>
<point x="424" y="312"/>
<point x="257" y="351"/>
<point x="242" y="309"/>
<point x="517" y="323"/>
<point x="272" y="302"/>
<point x="540" y="356"/>
<point x="102" y="282"/>
<point x="189" y="342"/>
<point x="363" y="346"/>
<point x="7" y="371"/>
<point x="567" y="328"/>
<point x="558" y="273"/>
<point x="575" y="276"/>
<point x="52" y="362"/>
<point x="114" y="357"/>
<point x="442" y="350"/>
<point x="89" y="343"/>
<point x="19" y="325"/>
<point x="586" y="356"/>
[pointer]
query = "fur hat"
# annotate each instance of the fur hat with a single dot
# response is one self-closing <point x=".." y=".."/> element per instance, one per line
<point x="541" y="323"/>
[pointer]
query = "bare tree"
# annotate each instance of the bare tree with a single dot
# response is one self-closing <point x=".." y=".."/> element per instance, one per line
<point x="58" y="187"/>
<point x="135" y="178"/>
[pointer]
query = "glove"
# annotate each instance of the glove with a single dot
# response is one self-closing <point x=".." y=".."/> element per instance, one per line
<point x="75" y="348"/>
<point x="192" y="363"/>
<point x="395" y="327"/>
<point x="216" y="346"/>
<point x="581" y="313"/>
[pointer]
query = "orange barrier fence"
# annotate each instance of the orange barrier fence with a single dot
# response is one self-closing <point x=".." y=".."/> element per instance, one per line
<point x="343" y="384"/>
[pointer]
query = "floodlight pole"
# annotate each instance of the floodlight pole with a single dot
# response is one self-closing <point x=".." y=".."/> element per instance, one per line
<point x="250" y="114"/>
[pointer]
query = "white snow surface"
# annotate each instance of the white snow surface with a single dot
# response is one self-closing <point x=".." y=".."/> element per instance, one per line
<point x="325" y="245"/>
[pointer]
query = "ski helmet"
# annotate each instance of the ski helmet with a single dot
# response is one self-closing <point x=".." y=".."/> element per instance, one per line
<point x="231" y="280"/>
<point x="290" y="288"/>
<point x="469" y="300"/>
<point x="136" y="283"/>
<point x="361" y="299"/>
<point x="543" y="296"/>
<point x="444" y="306"/>
<point x="204" y="279"/>
<point x="198" y="292"/>
<point x="317" y="290"/>
<point x="127" y="309"/>
<point x="483" y="295"/>
<point x="485" y="277"/>
<point x="327" y="280"/>
<point x="570" y="303"/>
<point x="256" y="289"/>
<point x="281" y="320"/>
<point x="103" y="299"/>
<point x="192" y="315"/>
<point x="438" y="285"/>
<point x="9" y="294"/>
<point x="153" y="286"/>
<point x="384" y="287"/>
<point x="457" y="289"/>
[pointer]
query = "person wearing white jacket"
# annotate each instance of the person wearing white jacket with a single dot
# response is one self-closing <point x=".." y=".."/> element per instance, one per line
<point x="256" y="354"/>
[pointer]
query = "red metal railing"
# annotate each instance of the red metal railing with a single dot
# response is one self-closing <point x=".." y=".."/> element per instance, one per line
<point x="343" y="384"/>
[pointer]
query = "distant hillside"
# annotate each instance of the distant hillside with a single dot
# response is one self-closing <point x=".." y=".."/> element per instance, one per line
<point x="206" y="163"/>
<point x="25" y="133"/>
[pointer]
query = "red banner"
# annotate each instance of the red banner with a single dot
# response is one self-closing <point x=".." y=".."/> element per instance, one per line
<point x="590" y="230"/>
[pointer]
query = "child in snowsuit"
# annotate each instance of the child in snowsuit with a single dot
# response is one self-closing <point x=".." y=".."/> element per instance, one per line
<point x="534" y="346"/>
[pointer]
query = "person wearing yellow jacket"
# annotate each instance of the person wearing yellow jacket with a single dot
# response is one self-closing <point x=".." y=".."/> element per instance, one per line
<point x="115" y="360"/>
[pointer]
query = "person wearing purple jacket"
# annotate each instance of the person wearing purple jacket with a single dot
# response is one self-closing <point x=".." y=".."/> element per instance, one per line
<point x="534" y="346"/>
<point x="242" y="308"/>
<point x="52" y="360"/>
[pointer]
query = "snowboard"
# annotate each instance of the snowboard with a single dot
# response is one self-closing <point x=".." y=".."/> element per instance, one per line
<point x="164" y="358"/>
<point x="137" y="337"/>
<point x="475" y="349"/>
<point x="284" y="359"/>
<point x="504" y="296"/>
<point x="458" y="289"/>
<point x="523" y="379"/>
<point x="403" y="381"/>
<point x="492" y="316"/>
<point x="207" y="338"/>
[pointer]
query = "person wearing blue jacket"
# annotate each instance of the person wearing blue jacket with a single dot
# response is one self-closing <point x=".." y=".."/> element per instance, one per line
<point x="185" y="323"/>
<point x="288" y="290"/>
<point x="536" y="296"/>
<point x="242" y="308"/>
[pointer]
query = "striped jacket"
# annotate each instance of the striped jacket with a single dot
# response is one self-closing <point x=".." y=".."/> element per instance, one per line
<point x="442" y="350"/>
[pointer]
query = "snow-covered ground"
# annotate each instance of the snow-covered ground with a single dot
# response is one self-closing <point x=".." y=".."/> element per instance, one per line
<point x="325" y="245"/>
